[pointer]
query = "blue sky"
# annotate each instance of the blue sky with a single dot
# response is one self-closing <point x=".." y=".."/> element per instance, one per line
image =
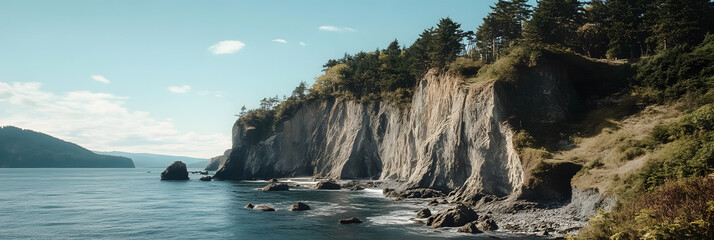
<point x="168" y="77"/>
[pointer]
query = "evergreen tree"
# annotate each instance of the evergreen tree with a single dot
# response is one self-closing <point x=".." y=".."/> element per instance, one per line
<point x="418" y="54"/>
<point x="627" y="29"/>
<point x="677" y="22"/>
<point x="555" y="22"/>
<point x="447" y="43"/>
<point x="501" y="27"/>
<point x="592" y="36"/>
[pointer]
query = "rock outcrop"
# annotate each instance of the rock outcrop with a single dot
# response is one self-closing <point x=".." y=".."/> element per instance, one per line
<point x="218" y="161"/>
<point x="299" y="206"/>
<point x="175" y="171"/>
<point x="424" y="213"/>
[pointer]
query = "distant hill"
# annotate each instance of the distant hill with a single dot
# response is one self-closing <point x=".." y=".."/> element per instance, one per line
<point x="22" y="148"/>
<point x="148" y="160"/>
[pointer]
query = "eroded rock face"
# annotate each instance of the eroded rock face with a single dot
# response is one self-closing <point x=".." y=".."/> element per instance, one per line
<point x="276" y="187"/>
<point x="175" y="171"/>
<point x="299" y="206"/>
<point x="455" y="216"/>
<point x="327" y="185"/>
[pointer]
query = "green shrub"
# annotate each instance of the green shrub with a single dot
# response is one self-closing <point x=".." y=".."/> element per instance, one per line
<point x="632" y="152"/>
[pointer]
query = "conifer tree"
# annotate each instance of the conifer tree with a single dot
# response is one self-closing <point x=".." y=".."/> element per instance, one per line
<point x="555" y="22"/>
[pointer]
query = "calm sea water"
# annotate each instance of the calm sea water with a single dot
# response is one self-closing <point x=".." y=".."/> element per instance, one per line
<point x="134" y="204"/>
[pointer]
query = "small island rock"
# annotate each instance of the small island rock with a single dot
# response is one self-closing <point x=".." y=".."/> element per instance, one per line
<point x="264" y="208"/>
<point x="350" y="220"/>
<point x="175" y="171"/>
<point x="299" y="206"/>
<point x="206" y="178"/>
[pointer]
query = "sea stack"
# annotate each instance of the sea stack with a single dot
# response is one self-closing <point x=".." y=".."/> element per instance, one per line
<point x="175" y="171"/>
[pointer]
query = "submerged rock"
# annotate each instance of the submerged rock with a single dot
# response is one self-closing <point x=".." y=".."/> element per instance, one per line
<point x="299" y="206"/>
<point x="327" y="185"/>
<point x="349" y="220"/>
<point x="424" y="213"/>
<point x="175" y="171"/>
<point x="470" y="228"/>
<point x="455" y="216"/>
<point x="249" y="206"/>
<point x="264" y="208"/>
<point x="206" y="178"/>
<point x="273" y="180"/>
<point x="276" y="187"/>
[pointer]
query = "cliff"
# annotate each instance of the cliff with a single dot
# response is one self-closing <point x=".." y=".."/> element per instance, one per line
<point x="218" y="161"/>
<point x="21" y="148"/>
<point x="455" y="136"/>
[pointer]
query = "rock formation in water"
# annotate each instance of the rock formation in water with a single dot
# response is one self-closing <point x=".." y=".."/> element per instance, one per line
<point x="22" y="148"/>
<point x="175" y="171"/>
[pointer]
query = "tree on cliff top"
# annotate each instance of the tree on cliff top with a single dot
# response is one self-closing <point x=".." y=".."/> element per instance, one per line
<point x="555" y="22"/>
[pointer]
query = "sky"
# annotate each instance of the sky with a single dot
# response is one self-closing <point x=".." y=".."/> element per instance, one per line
<point x="168" y="77"/>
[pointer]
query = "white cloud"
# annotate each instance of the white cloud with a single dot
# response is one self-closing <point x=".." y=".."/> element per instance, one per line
<point x="100" y="121"/>
<point x="280" y="40"/>
<point x="100" y="78"/>
<point x="303" y="44"/>
<point x="337" y="29"/>
<point x="226" y="47"/>
<point x="179" y="89"/>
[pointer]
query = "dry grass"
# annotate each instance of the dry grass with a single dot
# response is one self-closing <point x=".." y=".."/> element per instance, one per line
<point x="615" y="149"/>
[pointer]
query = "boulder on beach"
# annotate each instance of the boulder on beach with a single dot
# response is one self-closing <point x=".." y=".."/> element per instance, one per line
<point x="349" y="220"/>
<point x="327" y="184"/>
<point x="276" y="187"/>
<point x="175" y="171"/>
<point x="299" y="206"/>
<point x="249" y="206"/>
<point x="470" y="228"/>
<point x="264" y="208"/>
<point x="206" y="178"/>
<point x="456" y="216"/>
<point x="424" y="213"/>
<point x="487" y="225"/>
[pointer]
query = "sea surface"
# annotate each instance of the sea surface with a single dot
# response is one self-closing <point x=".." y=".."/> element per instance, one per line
<point x="134" y="204"/>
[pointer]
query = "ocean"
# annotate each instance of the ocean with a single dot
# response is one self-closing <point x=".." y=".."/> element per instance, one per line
<point x="81" y="203"/>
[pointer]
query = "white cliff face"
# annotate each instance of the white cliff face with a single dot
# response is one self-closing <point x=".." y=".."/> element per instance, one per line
<point x="452" y="137"/>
